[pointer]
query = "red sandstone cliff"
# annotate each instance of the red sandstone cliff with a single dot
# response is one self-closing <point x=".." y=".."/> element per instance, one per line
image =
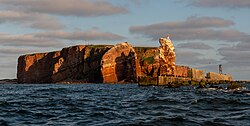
<point x="97" y="64"/>
<point x="72" y="63"/>
<point x="157" y="61"/>
<point x="120" y="64"/>
<point x="90" y="64"/>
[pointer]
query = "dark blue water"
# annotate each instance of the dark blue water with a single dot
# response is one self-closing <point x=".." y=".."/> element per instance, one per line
<point x="102" y="104"/>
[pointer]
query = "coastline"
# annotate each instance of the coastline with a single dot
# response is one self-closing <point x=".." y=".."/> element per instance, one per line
<point x="14" y="81"/>
<point x="8" y="81"/>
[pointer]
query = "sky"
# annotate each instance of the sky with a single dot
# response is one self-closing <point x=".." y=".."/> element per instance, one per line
<point x="205" y="33"/>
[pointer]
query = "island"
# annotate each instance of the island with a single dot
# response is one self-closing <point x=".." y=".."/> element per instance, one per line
<point x="112" y="64"/>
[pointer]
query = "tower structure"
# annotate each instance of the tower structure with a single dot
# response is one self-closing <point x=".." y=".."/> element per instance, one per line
<point x="220" y="69"/>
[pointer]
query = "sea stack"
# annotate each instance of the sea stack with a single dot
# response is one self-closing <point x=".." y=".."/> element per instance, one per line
<point x="158" y="61"/>
<point x="166" y="56"/>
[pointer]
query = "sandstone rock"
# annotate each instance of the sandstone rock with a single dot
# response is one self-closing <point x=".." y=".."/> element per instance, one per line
<point x="120" y="64"/>
<point x="166" y="57"/>
<point x="97" y="64"/>
<point x="157" y="61"/>
<point x="72" y="63"/>
<point x="197" y="74"/>
<point x="181" y="71"/>
<point x="219" y="77"/>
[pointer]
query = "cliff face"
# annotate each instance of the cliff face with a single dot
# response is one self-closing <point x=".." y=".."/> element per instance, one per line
<point x="120" y="64"/>
<point x="157" y="61"/>
<point x="97" y="64"/>
<point x="90" y="64"/>
<point x="166" y="57"/>
<point x="73" y="63"/>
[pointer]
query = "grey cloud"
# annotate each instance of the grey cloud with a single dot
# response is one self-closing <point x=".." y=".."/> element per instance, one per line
<point x="193" y="59"/>
<point x="84" y="8"/>
<point x="194" y="45"/>
<point x="80" y="35"/>
<point x="190" y="23"/>
<point x="33" y="20"/>
<point x="204" y="28"/>
<point x="28" y="40"/>
<point x="237" y="60"/>
<point x="11" y="68"/>
<point x="15" y="51"/>
<point x="221" y="3"/>
<point x="239" y="53"/>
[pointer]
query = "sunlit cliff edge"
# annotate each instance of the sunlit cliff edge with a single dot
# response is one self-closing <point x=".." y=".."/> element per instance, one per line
<point x="120" y="63"/>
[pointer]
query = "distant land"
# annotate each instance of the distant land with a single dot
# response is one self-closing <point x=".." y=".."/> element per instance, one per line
<point x="112" y="64"/>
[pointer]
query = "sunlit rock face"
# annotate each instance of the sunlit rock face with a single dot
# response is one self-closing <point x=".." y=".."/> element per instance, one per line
<point x="97" y="63"/>
<point x="120" y="64"/>
<point x="84" y="63"/>
<point x="73" y="63"/>
<point x="166" y="56"/>
<point x="157" y="61"/>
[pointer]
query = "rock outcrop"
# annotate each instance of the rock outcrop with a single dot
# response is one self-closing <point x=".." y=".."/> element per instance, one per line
<point x="120" y="64"/>
<point x="73" y="63"/>
<point x="97" y="64"/>
<point x="89" y="64"/>
<point x="157" y="61"/>
<point x="167" y="56"/>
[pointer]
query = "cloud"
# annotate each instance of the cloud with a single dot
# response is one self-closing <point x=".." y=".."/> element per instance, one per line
<point x="28" y="40"/>
<point x="33" y="20"/>
<point x="237" y="59"/>
<point x="201" y="28"/>
<point x="239" y="54"/>
<point x="85" y="8"/>
<point x="190" y="23"/>
<point x="193" y="59"/>
<point x="8" y="70"/>
<point x="80" y="35"/>
<point x="15" y="51"/>
<point x="221" y="3"/>
<point x="194" y="45"/>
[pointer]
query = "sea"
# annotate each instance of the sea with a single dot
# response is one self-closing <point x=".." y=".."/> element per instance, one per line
<point x="120" y="105"/>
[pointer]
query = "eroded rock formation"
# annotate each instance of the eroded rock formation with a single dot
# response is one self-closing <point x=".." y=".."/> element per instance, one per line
<point x="97" y="64"/>
<point x="120" y="64"/>
<point x="73" y="63"/>
<point x="90" y="64"/>
<point x="166" y="56"/>
<point x="157" y="61"/>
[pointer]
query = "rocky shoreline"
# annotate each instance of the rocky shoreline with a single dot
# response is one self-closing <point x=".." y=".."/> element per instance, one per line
<point x="8" y="81"/>
<point x="112" y="64"/>
<point x="14" y="81"/>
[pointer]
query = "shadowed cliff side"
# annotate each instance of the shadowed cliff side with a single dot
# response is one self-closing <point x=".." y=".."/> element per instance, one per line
<point x="96" y="64"/>
<point x="72" y="63"/>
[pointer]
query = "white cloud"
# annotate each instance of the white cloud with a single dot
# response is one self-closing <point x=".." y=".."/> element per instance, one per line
<point x="239" y="54"/>
<point x="15" y="51"/>
<point x="203" y="28"/>
<point x="194" y="45"/>
<point x="237" y="59"/>
<point x="193" y="59"/>
<point x="85" y="8"/>
<point x="221" y="3"/>
<point x="80" y="35"/>
<point x="28" y="40"/>
<point x="33" y="20"/>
